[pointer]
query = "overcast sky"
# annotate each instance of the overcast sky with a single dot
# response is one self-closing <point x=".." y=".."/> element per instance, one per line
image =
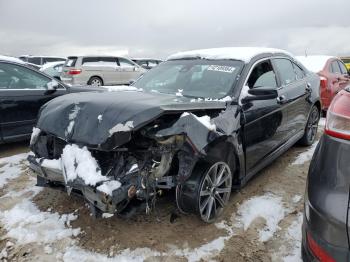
<point x="157" y="28"/>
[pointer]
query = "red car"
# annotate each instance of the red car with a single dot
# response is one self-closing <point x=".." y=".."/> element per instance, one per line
<point x="333" y="74"/>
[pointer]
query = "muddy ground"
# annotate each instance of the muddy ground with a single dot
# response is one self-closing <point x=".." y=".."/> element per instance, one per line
<point x="154" y="237"/>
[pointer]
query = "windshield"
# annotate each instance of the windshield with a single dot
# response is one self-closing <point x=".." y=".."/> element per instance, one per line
<point x="192" y="78"/>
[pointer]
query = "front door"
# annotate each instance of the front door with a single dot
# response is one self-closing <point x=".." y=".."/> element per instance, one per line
<point x="265" y="120"/>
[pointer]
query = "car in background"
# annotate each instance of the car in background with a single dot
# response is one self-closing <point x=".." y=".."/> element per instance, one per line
<point x="53" y="69"/>
<point x="346" y="61"/>
<point x="23" y="91"/>
<point x="326" y="225"/>
<point x="100" y="70"/>
<point x="334" y="75"/>
<point x="147" y="63"/>
<point x="41" y="60"/>
<point x="200" y="123"/>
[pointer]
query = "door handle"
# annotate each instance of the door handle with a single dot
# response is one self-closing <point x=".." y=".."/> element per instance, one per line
<point x="282" y="99"/>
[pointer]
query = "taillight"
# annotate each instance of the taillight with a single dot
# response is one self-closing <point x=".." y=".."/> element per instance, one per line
<point x="318" y="251"/>
<point x="338" y="116"/>
<point x="74" y="71"/>
<point x="323" y="82"/>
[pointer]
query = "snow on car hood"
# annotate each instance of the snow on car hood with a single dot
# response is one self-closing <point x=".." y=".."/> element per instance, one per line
<point x="91" y="118"/>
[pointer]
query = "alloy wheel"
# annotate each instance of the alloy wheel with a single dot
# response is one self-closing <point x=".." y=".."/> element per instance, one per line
<point x="312" y="125"/>
<point x="215" y="191"/>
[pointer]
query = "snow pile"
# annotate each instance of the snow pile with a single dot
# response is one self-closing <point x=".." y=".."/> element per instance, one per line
<point x="204" y="120"/>
<point x="27" y="224"/>
<point x="10" y="167"/>
<point x="268" y="207"/>
<point x="109" y="186"/>
<point x="306" y="155"/>
<point x="78" y="162"/>
<point x="99" y="118"/>
<point x="122" y="88"/>
<point x="35" y="133"/>
<point x="179" y="92"/>
<point x="122" y="127"/>
<point x="237" y="53"/>
<point x="314" y="63"/>
<point x="71" y="118"/>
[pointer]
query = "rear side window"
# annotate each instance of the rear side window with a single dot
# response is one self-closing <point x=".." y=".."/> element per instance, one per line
<point x="125" y="63"/>
<point x="262" y="76"/>
<point x="286" y="70"/>
<point x="342" y="68"/>
<point x="71" y="61"/>
<point x="34" y="60"/>
<point x="90" y="60"/>
<point x="335" y="67"/>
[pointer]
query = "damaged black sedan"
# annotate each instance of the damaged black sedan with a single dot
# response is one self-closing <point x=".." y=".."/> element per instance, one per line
<point x="201" y="123"/>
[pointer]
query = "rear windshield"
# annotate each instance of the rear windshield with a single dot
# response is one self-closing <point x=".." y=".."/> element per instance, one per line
<point x="71" y="61"/>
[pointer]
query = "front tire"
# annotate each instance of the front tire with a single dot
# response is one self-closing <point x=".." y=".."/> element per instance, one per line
<point x="207" y="192"/>
<point x="311" y="127"/>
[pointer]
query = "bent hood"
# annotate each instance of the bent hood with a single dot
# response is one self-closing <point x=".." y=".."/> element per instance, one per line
<point x="92" y="118"/>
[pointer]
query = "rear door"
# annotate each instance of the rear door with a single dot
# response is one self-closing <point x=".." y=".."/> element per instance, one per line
<point x="22" y="92"/>
<point x="109" y="70"/>
<point x="265" y="128"/>
<point x="296" y="93"/>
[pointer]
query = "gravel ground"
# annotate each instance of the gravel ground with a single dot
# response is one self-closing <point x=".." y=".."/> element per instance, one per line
<point x="261" y="223"/>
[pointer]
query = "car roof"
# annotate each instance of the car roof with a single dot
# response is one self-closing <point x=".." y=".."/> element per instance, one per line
<point x="315" y="63"/>
<point x="244" y="54"/>
<point x="11" y="59"/>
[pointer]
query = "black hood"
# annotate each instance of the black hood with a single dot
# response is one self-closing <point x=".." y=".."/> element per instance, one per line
<point x="88" y="118"/>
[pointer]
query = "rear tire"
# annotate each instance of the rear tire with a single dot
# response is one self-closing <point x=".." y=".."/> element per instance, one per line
<point x="207" y="192"/>
<point x="311" y="127"/>
<point x="95" y="81"/>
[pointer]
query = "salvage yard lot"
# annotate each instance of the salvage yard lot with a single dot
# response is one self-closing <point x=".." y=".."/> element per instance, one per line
<point x="262" y="221"/>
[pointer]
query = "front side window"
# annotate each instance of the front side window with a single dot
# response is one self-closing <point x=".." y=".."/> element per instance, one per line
<point x="192" y="78"/>
<point x="286" y="70"/>
<point x="262" y="76"/>
<point x="335" y="67"/>
<point x="18" y="77"/>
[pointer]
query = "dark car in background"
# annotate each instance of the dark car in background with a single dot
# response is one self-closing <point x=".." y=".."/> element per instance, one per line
<point x="23" y="91"/>
<point x="201" y="123"/>
<point x="147" y="63"/>
<point x="326" y="217"/>
<point x="333" y="74"/>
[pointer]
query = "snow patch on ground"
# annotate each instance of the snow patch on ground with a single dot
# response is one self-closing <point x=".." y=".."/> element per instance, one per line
<point x="109" y="186"/>
<point x="322" y="122"/>
<point x="306" y="155"/>
<point x="10" y="168"/>
<point x="27" y="224"/>
<point x="122" y="127"/>
<point x="294" y="235"/>
<point x="268" y="207"/>
<point x="78" y="162"/>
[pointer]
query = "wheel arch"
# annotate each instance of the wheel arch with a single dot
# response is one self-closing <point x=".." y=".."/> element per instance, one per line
<point x="96" y="76"/>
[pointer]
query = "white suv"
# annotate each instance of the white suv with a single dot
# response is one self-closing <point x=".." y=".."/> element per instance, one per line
<point x="100" y="70"/>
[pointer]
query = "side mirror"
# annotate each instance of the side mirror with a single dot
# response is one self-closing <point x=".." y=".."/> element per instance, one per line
<point x="260" y="93"/>
<point x="51" y="87"/>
